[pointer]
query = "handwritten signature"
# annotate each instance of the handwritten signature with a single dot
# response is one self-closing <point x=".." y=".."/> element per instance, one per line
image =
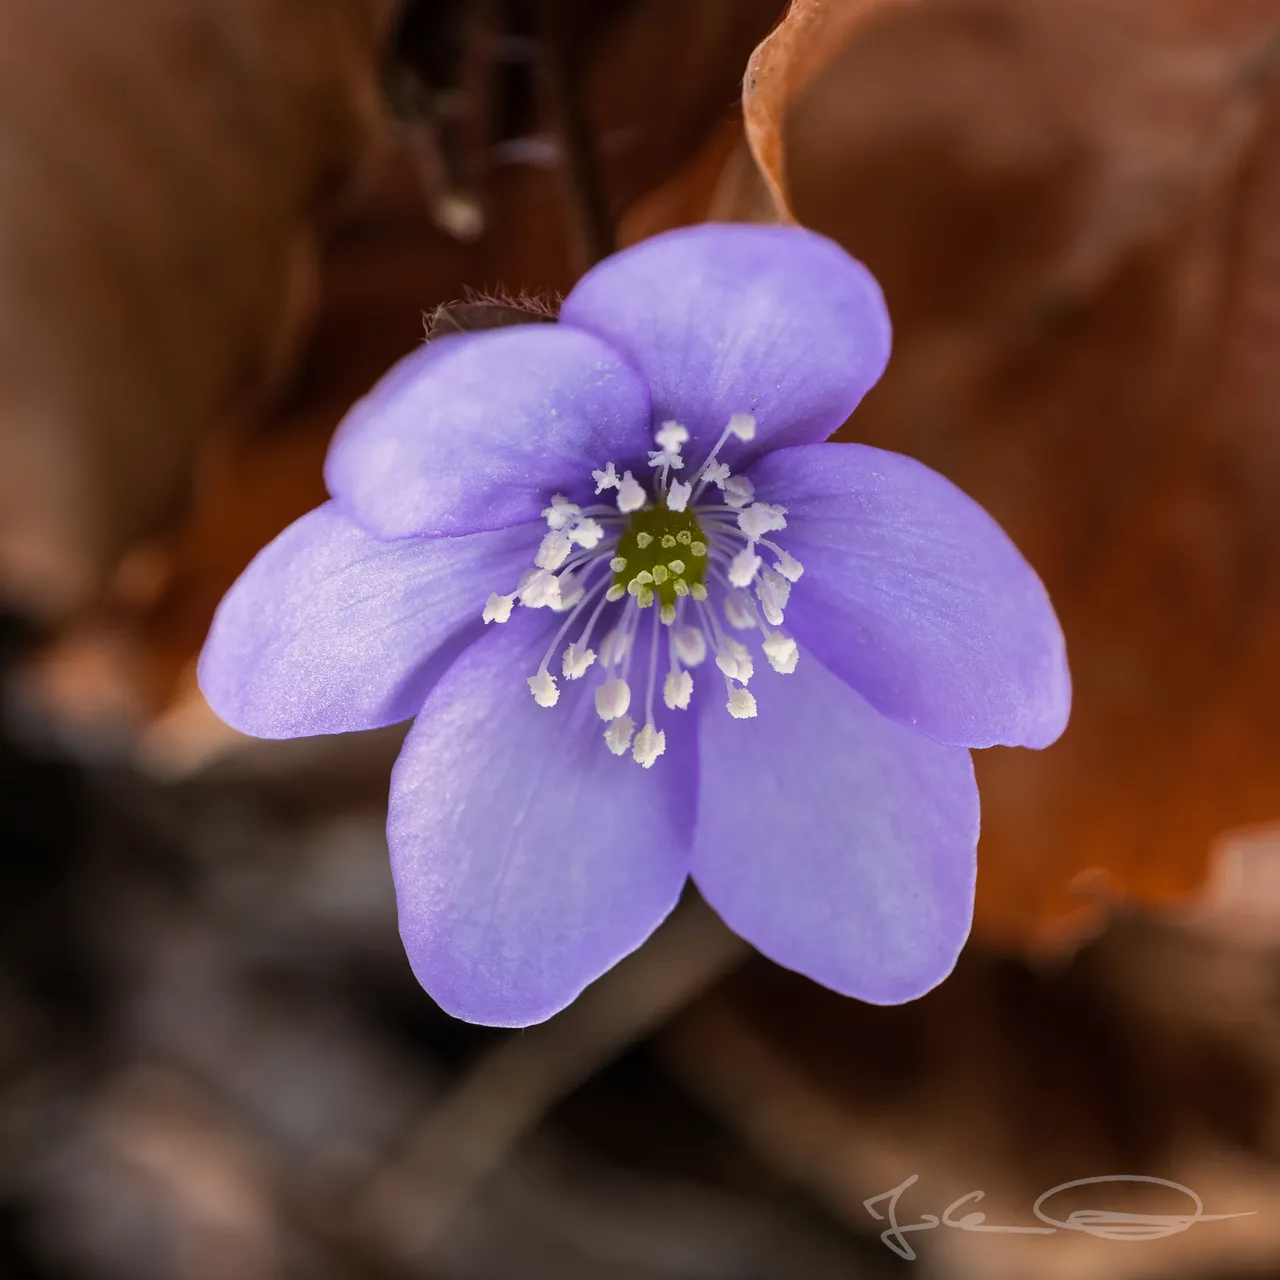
<point x="1106" y="1224"/>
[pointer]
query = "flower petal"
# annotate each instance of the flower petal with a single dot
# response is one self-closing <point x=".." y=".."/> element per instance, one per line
<point x="720" y="319"/>
<point x="837" y="842"/>
<point x="476" y="431"/>
<point x="330" y="629"/>
<point x="914" y="595"/>
<point x="528" y="859"/>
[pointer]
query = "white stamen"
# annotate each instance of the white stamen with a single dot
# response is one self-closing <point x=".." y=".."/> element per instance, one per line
<point x="618" y="735"/>
<point x="631" y="495"/>
<point x="553" y="551"/>
<point x="587" y="533"/>
<point x="539" y="590"/>
<point x="741" y="704"/>
<point x="677" y="689"/>
<point x="742" y="425"/>
<point x="678" y="495"/>
<point x="734" y="659"/>
<point x="606" y="479"/>
<point x="743" y="567"/>
<point x="761" y="518"/>
<point x="670" y="436"/>
<point x="789" y="567"/>
<point x="613" y="698"/>
<point x="561" y="513"/>
<point x="576" y="661"/>
<point x="738" y="611"/>
<point x="667" y="459"/>
<point x="690" y="645"/>
<point x="738" y="491"/>
<point x="543" y="687"/>
<point x="498" y="608"/>
<point x="615" y="647"/>
<point x="774" y="591"/>
<point x="782" y="652"/>
<point x="650" y="744"/>
<point x="716" y="473"/>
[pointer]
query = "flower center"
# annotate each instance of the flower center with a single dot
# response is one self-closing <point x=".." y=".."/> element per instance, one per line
<point x="662" y="556"/>
<point x="694" y="550"/>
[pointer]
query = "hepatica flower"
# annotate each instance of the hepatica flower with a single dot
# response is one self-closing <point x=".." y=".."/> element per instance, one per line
<point x="652" y="626"/>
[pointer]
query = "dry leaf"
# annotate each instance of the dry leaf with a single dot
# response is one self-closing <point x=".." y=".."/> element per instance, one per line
<point x="163" y="172"/>
<point x="1075" y="213"/>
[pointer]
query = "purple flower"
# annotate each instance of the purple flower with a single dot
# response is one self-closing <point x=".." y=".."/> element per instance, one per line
<point x="652" y="627"/>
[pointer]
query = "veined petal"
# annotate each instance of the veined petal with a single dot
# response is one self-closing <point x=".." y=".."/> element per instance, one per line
<point x="476" y="431"/>
<point x="527" y="858"/>
<point x="778" y="322"/>
<point x="916" y="597"/>
<point x="838" y="843"/>
<point x="330" y="629"/>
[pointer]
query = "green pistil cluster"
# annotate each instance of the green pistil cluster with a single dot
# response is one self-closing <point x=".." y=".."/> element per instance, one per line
<point x="661" y="556"/>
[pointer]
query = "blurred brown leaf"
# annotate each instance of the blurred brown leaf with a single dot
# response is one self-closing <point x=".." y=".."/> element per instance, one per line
<point x="1075" y="213"/>
<point x="163" y="170"/>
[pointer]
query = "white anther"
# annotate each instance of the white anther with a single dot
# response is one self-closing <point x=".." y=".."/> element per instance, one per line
<point x="734" y="660"/>
<point x="738" y="491"/>
<point x="743" y="566"/>
<point x="741" y="704"/>
<point x="498" y="608"/>
<point x="586" y="533"/>
<point x="774" y="591"/>
<point x="666" y="458"/>
<point x="761" y="518"/>
<point x="561" y="513"/>
<point x="631" y="495"/>
<point x="677" y="689"/>
<point x="615" y="647"/>
<point x="691" y="645"/>
<point x="613" y="698"/>
<point x="543" y="687"/>
<point x="716" y="473"/>
<point x="576" y="661"/>
<point x="618" y="735"/>
<point x="678" y="495"/>
<point x="738" y="610"/>
<point x="606" y="479"/>
<point x="570" y="590"/>
<point x="742" y="425"/>
<point x="539" y="590"/>
<point x="782" y="652"/>
<point x="670" y="436"/>
<point x="650" y="744"/>
<point x="553" y="551"/>
<point x="789" y="567"/>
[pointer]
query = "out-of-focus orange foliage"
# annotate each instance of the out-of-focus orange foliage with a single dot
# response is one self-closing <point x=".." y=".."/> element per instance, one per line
<point x="163" y="170"/>
<point x="1075" y="213"/>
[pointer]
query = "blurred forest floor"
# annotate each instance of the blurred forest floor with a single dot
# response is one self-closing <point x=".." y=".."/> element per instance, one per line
<point x="221" y="221"/>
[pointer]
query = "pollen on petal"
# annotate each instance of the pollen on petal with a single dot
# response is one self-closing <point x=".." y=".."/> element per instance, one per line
<point x="498" y="608"/>
<point x="613" y="698"/>
<point x="544" y="689"/>
<point x="741" y="704"/>
<point x="650" y="744"/>
<point x="618" y="735"/>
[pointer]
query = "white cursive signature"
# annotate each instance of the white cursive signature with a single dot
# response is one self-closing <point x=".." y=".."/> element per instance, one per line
<point x="1107" y="1224"/>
